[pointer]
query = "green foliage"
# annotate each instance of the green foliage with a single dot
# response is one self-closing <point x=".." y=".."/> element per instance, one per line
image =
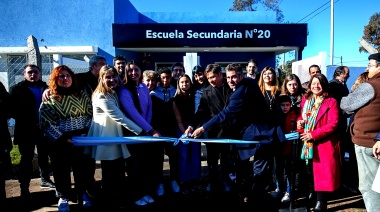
<point x="249" y="5"/>
<point x="15" y="155"/>
<point x="372" y="32"/>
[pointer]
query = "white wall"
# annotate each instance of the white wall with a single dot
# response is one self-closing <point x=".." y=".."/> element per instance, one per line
<point x="301" y="67"/>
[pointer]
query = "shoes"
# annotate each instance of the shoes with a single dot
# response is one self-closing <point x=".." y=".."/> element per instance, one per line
<point x="90" y="193"/>
<point x="148" y="199"/>
<point x="47" y="184"/>
<point x="276" y="194"/>
<point x="58" y="194"/>
<point x="86" y="201"/>
<point x="160" y="190"/>
<point x="351" y="189"/>
<point x="320" y="206"/>
<point x="286" y="197"/>
<point x="63" y="205"/>
<point x="25" y="195"/>
<point x="141" y="202"/>
<point x="312" y="197"/>
<point x="185" y="189"/>
<point x="227" y="187"/>
<point x="175" y="186"/>
<point x="245" y="199"/>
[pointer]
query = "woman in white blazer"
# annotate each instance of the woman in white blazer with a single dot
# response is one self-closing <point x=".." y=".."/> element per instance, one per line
<point x="109" y="120"/>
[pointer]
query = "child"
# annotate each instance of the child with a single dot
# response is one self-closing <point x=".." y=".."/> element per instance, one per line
<point x="288" y="117"/>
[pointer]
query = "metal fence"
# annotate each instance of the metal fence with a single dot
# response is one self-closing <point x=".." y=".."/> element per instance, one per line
<point x="12" y="68"/>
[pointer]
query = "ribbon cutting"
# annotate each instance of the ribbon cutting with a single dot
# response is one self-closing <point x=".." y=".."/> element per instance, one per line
<point x="93" y="141"/>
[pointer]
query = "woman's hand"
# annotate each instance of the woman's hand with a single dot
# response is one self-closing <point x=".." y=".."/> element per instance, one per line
<point x="306" y="137"/>
<point x="300" y="124"/>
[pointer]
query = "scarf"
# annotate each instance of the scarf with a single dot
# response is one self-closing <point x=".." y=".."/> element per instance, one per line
<point x="309" y="115"/>
<point x="310" y="112"/>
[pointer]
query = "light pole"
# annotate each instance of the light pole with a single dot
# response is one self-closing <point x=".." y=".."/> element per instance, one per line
<point x="332" y="34"/>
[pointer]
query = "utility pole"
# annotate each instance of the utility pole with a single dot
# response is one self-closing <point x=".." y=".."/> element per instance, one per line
<point x="332" y="34"/>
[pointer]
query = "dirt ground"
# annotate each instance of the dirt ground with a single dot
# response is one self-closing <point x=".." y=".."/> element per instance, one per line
<point x="44" y="200"/>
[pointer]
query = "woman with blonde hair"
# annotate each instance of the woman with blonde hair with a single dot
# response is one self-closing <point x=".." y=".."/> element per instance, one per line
<point x="108" y="121"/>
<point x="269" y="86"/>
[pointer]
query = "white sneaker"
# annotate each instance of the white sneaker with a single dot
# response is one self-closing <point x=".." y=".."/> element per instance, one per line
<point x="175" y="186"/>
<point x="86" y="201"/>
<point x="160" y="190"/>
<point x="141" y="202"/>
<point x="63" y="205"/>
<point x="148" y="199"/>
<point x="286" y="197"/>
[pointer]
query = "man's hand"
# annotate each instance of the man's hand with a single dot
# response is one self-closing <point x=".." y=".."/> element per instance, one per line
<point x="376" y="150"/>
<point x="198" y="132"/>
<point x="188" y="131"/>
<point x="46" y="94"/>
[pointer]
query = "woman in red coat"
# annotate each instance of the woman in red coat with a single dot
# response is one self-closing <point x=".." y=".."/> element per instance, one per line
<point x="318" y="123"/>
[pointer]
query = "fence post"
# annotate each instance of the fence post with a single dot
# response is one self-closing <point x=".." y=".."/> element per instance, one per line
<point x="34" y="56"/>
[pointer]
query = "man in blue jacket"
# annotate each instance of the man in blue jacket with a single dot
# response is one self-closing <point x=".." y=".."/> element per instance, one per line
<point x="251" y="120"/>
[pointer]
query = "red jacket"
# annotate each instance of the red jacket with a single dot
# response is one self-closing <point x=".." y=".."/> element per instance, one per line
<point x="326" y="161"/>
<point x="289" y="125"/>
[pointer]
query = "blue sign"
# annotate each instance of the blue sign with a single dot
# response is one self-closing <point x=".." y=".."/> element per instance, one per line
<point x="208" y="35"/>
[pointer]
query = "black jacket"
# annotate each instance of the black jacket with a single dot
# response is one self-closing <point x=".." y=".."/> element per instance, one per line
<point x="25" y="112"/>
<point x="87" y="82"/>
<point x="5" y="138"/>
<point x="213" y="101"/>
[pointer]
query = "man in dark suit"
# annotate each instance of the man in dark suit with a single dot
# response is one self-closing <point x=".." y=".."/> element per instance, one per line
<point x="214" y="99"/>
<point x="250" y="119"/>
<point x="26" y="97"/>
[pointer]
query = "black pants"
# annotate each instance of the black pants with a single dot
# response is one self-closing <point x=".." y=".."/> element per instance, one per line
<point x="26" y="150"/>
<point x="214" y="153"/>
<point x="69" y="158"/>
<point x="145" y="168"/>
<point x="113" y="176"/>
<point x="44" y="153"/>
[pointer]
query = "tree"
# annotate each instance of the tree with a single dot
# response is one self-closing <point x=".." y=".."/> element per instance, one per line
<point x="248" y="5"/>
<point x="372" y="32"/>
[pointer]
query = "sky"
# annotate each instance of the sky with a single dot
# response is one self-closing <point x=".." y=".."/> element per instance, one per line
<point x="350" y="17"/>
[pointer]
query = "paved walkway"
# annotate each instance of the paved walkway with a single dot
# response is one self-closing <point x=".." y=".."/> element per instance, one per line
<point x="44" y="200"/>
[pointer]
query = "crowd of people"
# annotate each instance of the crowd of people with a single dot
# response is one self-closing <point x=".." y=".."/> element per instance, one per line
<point x="220" y="107"/>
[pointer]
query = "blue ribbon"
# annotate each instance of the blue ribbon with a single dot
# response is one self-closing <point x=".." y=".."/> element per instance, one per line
<point x="94" y="141"/>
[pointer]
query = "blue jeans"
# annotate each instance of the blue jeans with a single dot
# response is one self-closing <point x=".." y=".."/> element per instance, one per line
<point x="367" y="168"/>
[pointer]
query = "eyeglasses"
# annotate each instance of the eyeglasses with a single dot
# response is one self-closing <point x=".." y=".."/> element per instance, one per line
<point x="62" y="77"/>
